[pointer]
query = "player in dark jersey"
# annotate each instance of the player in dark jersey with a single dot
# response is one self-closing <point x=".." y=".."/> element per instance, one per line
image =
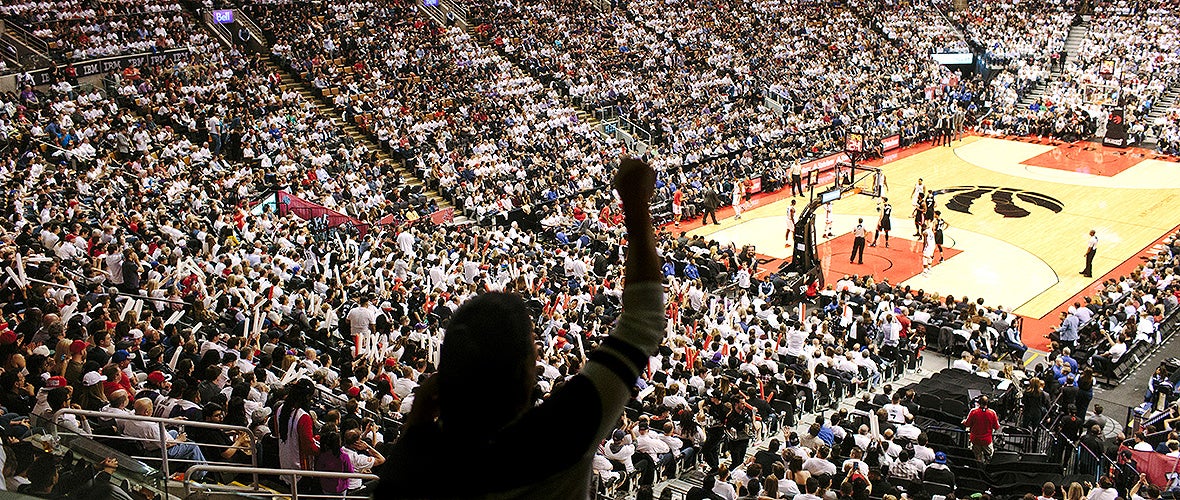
<point x="883" y="224"/>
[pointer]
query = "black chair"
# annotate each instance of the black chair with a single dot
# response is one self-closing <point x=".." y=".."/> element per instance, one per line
<point x="927" y="400"/>
<point x="937" y="488"/>
<point x="823" y="394"/>
<point x="954" y="410"/>
<point x="906" y="485"/>
<point x="788" y="409"/>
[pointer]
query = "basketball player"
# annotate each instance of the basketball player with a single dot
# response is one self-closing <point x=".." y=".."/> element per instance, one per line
<point x="828" y="220"/>
<point x="928" y="240"/>
<point x="939" y="225"/>
<point x="881" y="182"/>
<point x="930" y="205"/>
<point x="790" y="223"/>
<point x="919" y="215"/>
<point x="883" y="224"/>
<point x="677" y="205"/>
<point x="919" y="191"/>
<point x="858" y="243"/>
<point x="736" y="199"/>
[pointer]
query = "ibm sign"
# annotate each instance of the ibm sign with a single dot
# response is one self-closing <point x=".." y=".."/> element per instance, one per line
<point x="223" y="16"/>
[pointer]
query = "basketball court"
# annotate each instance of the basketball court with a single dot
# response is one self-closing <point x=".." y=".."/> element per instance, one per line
<point x="1019" y="215"/>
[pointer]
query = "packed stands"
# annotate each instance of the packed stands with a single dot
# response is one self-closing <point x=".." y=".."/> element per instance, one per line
<point x="173" y="192"/>
<point x="76" y="31"/>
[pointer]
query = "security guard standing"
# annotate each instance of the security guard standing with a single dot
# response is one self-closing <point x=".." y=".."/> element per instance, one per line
<point x="858" y="244"/>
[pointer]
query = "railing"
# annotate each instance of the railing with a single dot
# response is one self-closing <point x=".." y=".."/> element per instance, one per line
<point x="785" y="104"/>
<point x="634" y="129"/>
<point x="435" y="14"/>
<point x="165" y="465"/>
<point x="601" y="5"/>
<point x="31" y="41"/>
<point x="244" y="19"/>
<point x="36" y="50"/>
<point x="458" y="8"/>
<point x="606" y="113"/>
<point x="10" y="53"/>
<point x="1004" y="441"/>
<point x="295" y="474"/>
<point x="218" y="30"/>
<point x="1084" y="462"/>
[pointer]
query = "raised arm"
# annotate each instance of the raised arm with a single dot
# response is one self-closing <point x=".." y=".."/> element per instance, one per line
<point x="614" y="367"/>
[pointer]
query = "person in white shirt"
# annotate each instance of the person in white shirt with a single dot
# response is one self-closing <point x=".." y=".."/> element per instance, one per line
<point x="964" y="363"/>
<point x="897" y="412"/>
<point x="819" y="465"/>
<point x="363" y="456"/>
<point x="922" y="451"/>
<point x="361" y="320"/>
<point x="724" y="488"/>
<point x="862" y="438"/>
<point x="619" y="449"/>
<point x="149" y="434"/>
<point x="650" y="442"/>
<point x="1104" y="491"/>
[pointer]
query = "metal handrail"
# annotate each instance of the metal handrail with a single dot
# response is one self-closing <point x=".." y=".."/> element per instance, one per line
<point x="243" y="18"/>
<point x="294" y="473"/>
<point x="30" y="40"/>
<point x="164" y="433"/>
<point x="218" y="30"/>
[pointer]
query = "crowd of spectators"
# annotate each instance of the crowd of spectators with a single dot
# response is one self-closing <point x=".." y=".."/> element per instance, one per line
<point x="465" y="118"/>
<point x="147" y="279"/>
<point x="1032" y="32"/>
<point x="693" y="95"/>
<point x="79" y="31"/>
<point x="919" y="24"/>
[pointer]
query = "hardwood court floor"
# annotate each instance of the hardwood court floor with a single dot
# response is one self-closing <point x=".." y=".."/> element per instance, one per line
<point x="1019" y="212"/>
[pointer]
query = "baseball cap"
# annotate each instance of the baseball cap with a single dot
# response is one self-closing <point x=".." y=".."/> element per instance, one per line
<point x="940" y="458"/>
<point x="121" y="355"/>
<point x="390" y="362"/>
<point x="354" y="391"/>
<point x="41" y="350"/>
<point x="78" y="347"/>
<point x="619" y="434"/>
<point x="8" y="337"/>
<point x="92" y="378"/>
<point x="158" y="377"/>
<point x="55" y="382"/>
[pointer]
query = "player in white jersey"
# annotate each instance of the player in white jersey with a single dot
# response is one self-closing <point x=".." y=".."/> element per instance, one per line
<point x="927" y="249"/>
<point x="828" y="220"/>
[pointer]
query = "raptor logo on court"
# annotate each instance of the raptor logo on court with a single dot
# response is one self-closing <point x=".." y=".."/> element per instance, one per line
<point x="1005" y="200"/>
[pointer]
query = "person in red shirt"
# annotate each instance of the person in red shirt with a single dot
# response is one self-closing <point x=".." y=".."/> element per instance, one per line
<point x="677" y="205"/>
<point x="981" y="423"/>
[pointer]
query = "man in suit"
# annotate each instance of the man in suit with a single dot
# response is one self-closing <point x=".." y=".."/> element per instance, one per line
<point x="709" y="201"/>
